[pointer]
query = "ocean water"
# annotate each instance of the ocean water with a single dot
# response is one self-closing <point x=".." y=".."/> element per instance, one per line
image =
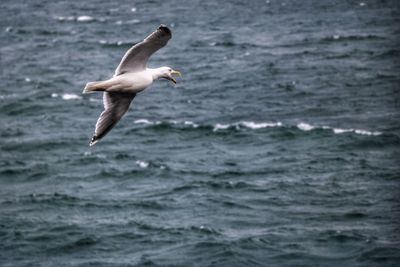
<point x="280" y="145"/>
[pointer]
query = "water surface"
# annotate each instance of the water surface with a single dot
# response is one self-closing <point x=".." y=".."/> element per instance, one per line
<point x="279" y="147"/>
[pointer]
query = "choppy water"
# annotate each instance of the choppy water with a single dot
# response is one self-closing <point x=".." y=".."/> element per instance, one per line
<point x="279" y="147"/>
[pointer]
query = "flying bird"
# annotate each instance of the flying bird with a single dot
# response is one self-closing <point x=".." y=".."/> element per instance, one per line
<point x="131" y="77"/>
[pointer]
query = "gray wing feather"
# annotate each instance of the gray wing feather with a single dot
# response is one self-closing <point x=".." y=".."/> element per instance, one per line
<point x="135" y="59"/>
<point x="115" y="106"/>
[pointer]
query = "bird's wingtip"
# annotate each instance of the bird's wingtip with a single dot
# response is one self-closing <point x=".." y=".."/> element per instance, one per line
<point x="93" y="141"/>
<point x="164" y="27"/>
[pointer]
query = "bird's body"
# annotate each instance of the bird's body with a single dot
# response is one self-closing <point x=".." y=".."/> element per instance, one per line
<point x="129" y="82"/>
<point x="131" y="77"/>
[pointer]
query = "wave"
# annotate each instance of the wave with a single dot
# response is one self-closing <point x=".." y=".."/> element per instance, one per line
<point x="66" y="96"/>
<point x="308" y="127"/>
<point x="132" y="21"/>
<point x="390" y="53"/>
<point x="216" y="127"/>
<point x="354" y="37"/>
<point x="83" y="18"/>
<point x="246" y="124"/>
<point x="147" y="122"/>
<point x="63" y="199"/>
<point x="251" y="125"/>
<point x="115" y="43"/>
<point x="142" y="164"/>
<point x="8" y="96"/>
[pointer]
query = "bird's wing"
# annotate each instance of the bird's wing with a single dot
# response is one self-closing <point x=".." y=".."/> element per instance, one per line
<point x="135" y="59"/>
<point x="115" y="106"/>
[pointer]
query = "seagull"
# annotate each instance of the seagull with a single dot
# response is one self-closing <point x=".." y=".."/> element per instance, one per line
<point x="131" y="77"/>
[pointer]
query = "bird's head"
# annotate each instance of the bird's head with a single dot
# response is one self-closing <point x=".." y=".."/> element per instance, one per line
<point x="167" y="73"/>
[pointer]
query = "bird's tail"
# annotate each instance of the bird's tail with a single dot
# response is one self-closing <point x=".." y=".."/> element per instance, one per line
<point x="93" y="87"/>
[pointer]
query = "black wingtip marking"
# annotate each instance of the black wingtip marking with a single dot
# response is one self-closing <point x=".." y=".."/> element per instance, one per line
<point x="94" y="140"/>
<point x="164" y="28"/>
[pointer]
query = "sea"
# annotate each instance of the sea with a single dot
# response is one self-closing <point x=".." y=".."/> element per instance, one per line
<point x="279" y="146"/>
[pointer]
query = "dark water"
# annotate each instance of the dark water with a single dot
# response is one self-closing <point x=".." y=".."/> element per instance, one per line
<point x="279" y="147"/>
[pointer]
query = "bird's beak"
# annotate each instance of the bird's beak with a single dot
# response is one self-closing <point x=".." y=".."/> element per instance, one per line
<point x="176" y="73"/>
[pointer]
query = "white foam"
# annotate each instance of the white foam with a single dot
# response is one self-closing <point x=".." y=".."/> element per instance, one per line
<point x="8" y="96"/>
<point x="246" y="124"/>
<point x="220" y="126"/>
<point x="84" y="18"/>
<point x="132" y="21"/>
<point x="191" y="123"/>
<point x="173" y="122"/>
<point x="336" y="37"/>
<point x="68" y="18"/>
<point x="54" y="95"/>
<point x="340" y="131"/>
<point x="364" y="132"/>
<point x="305" y="126"/>
<point x="252" y="125"/>
<point x="308" y="127"/>
<point x="255" y="125"/>
<point x="357" y="131"/>
<point x="70" y="97"/>
<point x="142" y="164"/>
<point x="362" y="4"/>
<point x="27" y="79"/>
<point x="143" y="121"/>
<point x="133" y="9"/>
